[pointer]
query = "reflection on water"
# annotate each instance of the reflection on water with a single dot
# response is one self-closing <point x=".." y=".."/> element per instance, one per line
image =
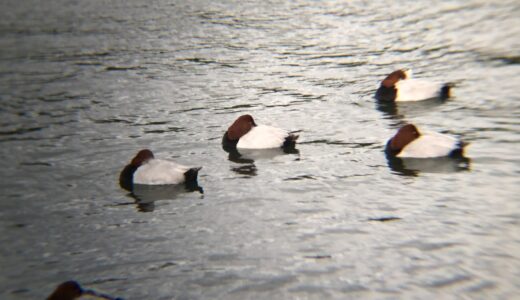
<point x="146" y="195"/>
<point x="384" y="219"/>
<point x="249" y="169"/>
<point x="415" y="166"/>
<point x="399" y="111"/>
<point x="259" y="154"/>
<point x="235" y="156"/>
<point x="247" y="157"/>
<point x="244" y="156"/>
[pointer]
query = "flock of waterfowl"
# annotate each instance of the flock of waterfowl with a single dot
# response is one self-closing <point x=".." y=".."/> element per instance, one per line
<point x="244" y="133"/>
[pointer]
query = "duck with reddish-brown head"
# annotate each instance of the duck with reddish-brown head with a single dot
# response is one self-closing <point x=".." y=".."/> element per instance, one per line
<point x="71" y="290"/>
<point x="399" y="86"/>
<point x="410" y="142"/>
<point x="244" y="133"/>
<point x="145" y="169"/>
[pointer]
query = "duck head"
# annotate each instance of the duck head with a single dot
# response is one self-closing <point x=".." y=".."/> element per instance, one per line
<point x="141" y="157"/>
<point x="240" y="127"/>
<point x="68" y="290"/>
<point x="395" y="76"/>
<point x="404" y="136"/>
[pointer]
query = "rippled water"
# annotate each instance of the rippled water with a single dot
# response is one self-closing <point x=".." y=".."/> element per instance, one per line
<point x="85" y="84"/>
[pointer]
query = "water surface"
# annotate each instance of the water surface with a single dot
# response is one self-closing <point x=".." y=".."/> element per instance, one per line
<point x="85" y="85"/>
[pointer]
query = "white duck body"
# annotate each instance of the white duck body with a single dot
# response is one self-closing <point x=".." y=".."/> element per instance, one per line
<point x="158" y="171"/>
<point x="417" y="90"/>
<point x="430" y="144"/>
<point x="263" y="137"/>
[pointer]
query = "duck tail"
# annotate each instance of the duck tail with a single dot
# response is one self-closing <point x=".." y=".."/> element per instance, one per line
<point x="191" y="174"/>
<point x="446" y="90"/>
<point x="459" y="151"/>
<point x="290" y="141"/>
<point x="191" y="182"/>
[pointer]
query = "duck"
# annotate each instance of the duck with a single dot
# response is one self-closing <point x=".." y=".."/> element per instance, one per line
<point x="145" y="169"/>
<point x="399" y="86"/>
<point x="410" y="142"/>
<point x="71" y="290"/>
<point x="244" y="133"/>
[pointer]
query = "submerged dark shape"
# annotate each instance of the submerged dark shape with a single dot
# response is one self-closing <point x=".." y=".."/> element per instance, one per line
<point x="247" y="170"/>
<point x="71" y="290"/>
<point x="384" y="219"/>
<point x="234" y="155"/>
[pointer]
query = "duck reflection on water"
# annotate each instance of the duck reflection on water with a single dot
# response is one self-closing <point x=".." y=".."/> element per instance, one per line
<point x="247" y="157"/>
<point x="145" y="196"/>
<point x="395" y="111"/>
<point x="415" y="166"/>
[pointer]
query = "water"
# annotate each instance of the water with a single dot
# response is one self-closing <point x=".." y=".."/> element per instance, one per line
<point x="85" y="85"/>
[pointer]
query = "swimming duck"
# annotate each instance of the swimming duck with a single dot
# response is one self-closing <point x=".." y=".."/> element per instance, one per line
<point x="244" y="133"/>
<point x="410" y="142"/>
<point x="399" y="86"/>
<point x="145" y="169"/>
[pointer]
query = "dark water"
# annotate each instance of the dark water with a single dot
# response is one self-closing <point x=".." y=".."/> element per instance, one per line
<point x="85" y="84"/>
